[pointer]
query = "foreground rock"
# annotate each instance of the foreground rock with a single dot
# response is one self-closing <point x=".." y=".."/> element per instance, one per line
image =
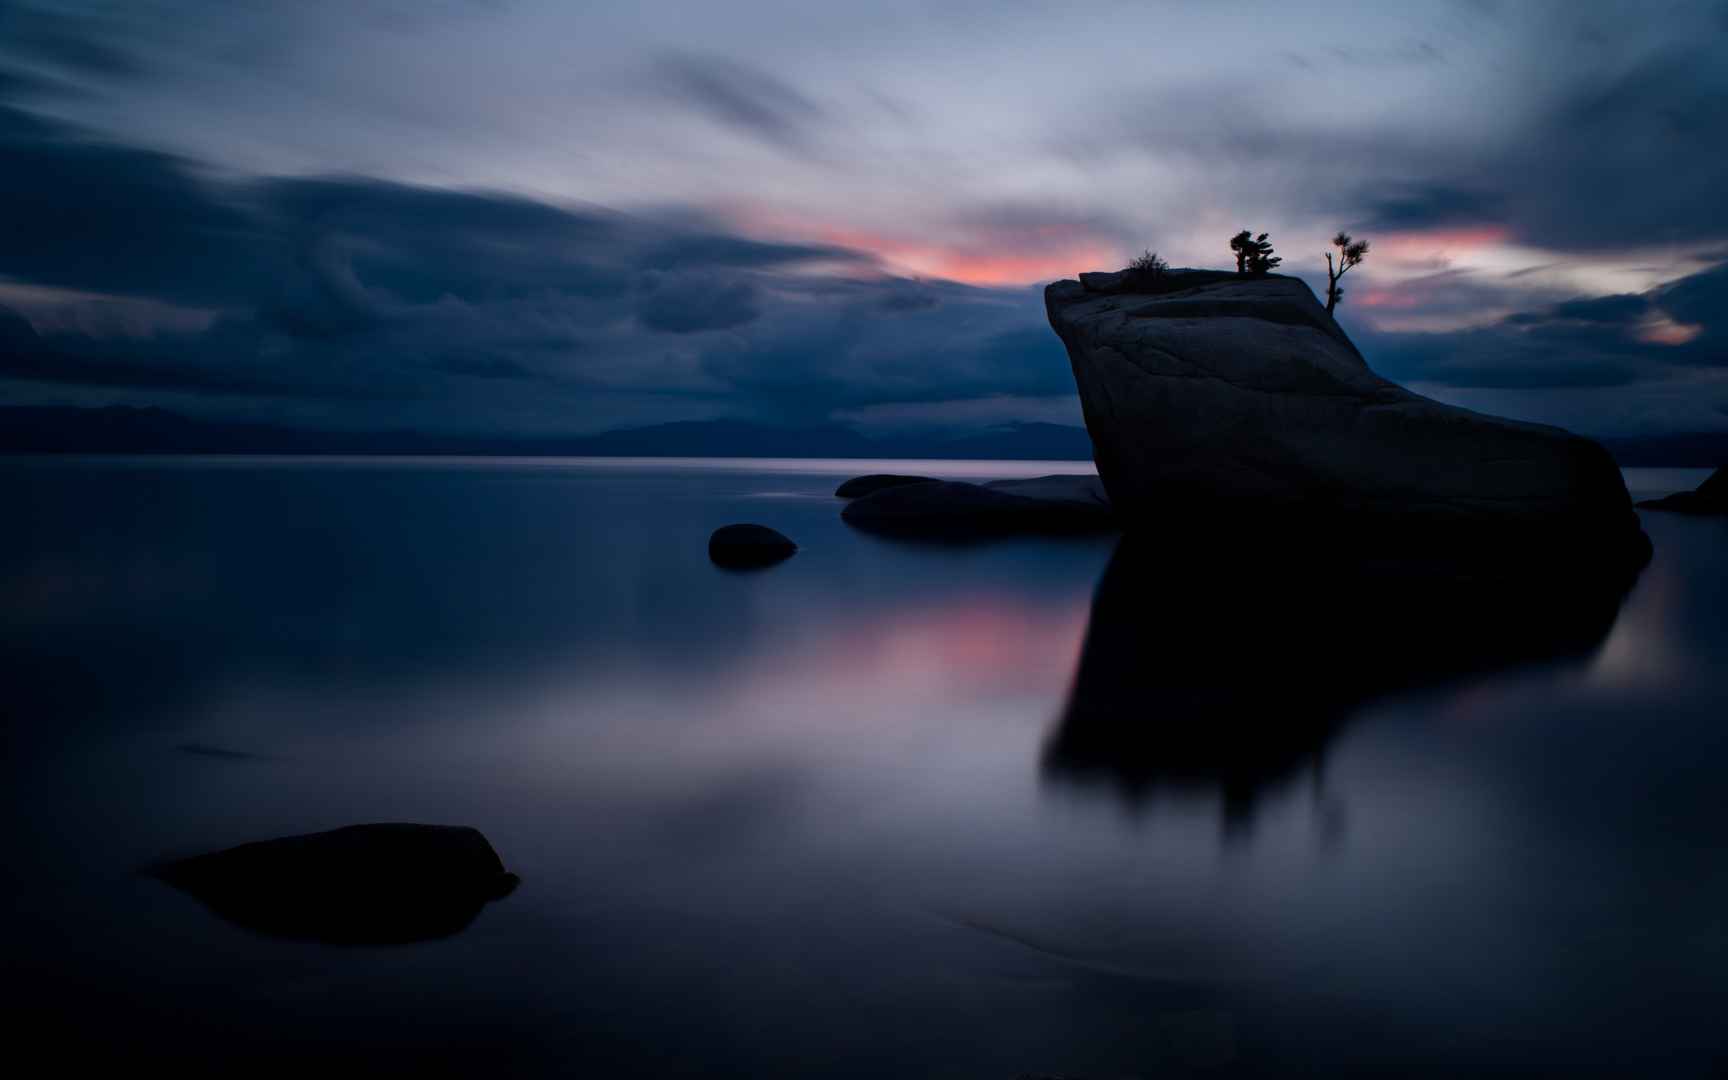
<point x="1238" y="404"/>
<point x="1710" y="497"/>
<point x="744" y="547"/>
<point x="1046" y="504"/>
<point x="364" y="884"/>
<point x="872" y="482"/>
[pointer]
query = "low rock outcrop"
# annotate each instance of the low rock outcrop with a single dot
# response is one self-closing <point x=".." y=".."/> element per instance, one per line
<point x="1238" y="404"/>
<point x="950" y="508"/>
<point x="1710" y="497"/>
<point x="360" y="885"/>
<point x="868" y="484"/>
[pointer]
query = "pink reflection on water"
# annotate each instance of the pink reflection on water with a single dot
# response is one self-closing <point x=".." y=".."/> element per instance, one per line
<point x="981" y="643"/>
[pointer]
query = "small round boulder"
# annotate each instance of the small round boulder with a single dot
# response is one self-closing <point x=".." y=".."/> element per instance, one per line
<point x="748" y="546"/>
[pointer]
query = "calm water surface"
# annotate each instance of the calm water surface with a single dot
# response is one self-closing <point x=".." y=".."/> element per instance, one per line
<point x="807" y="821"/>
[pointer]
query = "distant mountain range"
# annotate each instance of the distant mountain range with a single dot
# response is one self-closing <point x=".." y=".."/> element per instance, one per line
<point x="127" y="430"/>
<point x="1698" y="448"/>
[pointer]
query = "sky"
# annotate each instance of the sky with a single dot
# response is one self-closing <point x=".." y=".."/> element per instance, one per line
<point x="556" y="217"/>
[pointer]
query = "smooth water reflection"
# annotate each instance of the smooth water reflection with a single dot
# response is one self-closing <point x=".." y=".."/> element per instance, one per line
<point x="1231" y="671"/>
<point x="839" y="817"/>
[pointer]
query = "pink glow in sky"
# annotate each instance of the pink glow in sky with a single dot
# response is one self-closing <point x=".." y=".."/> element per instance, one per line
<point x="1431" y="246"/>
<point x="982" y="255"/>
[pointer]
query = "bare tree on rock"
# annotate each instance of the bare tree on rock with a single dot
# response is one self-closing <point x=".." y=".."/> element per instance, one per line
<point x="1350" y="253"/>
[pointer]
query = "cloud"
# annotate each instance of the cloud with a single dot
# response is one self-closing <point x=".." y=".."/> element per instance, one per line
<point x="1594" y="311"/>
<point x="82" y="213"/>
<point x="1622" y="158"/>
<point x="756" y="271"/>
<point x="688" y="303"/>
<point x="1617" y="154"/>
<point x="1629" y="352"/>
<point x="387" y="303"/>
<point x="1700" y="300"/>
<point x="62" y="41"/>
<point x="1583" y="135"/>
<point x="359" y="302"/>
<point x="744" y="99"/>
<point x="1429" y="206"/>
<point x="198" y="365"/>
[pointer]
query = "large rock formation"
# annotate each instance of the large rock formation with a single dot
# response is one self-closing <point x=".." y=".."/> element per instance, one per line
<point x="1238" y="403"/>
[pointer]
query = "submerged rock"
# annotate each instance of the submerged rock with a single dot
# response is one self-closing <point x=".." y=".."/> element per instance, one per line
<point x="1239" y="404"/>
<point x="872" y="482"/>
<point x="363" y="884"/>
<point x="1710" y="497"/>
<point x="1046" y="504"/>
<point x="746" y="546"/>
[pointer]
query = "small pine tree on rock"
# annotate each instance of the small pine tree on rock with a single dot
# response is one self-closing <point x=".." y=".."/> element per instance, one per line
<point x="1253" y="253"/>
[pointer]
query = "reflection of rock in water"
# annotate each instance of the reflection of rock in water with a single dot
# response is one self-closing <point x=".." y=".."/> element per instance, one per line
<point x="360" y="885"/>
<point x="1230" y="670"/>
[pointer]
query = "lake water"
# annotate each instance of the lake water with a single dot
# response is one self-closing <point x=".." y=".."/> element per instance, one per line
<point x="834" y="818"/>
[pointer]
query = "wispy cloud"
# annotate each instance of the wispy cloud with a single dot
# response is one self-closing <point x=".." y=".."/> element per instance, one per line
<point x="746" y="100"/>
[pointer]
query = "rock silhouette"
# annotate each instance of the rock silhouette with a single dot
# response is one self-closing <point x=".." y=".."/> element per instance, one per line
<point x="1239" y="402"/>
<point x="360" y="885"/>
<point x="1710" y="497"/>
<point x="873" y="482"/>
<point x="743" y="547"/>
<point x="954" y="509"/>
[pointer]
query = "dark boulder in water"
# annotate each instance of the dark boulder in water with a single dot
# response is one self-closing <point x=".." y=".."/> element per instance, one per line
<point x="360" y="885"/>
<point x="1710" y="497"/>
<point x="747" y="546"/>
<point x="873" y="482"/>
<point x="941" y="508"/>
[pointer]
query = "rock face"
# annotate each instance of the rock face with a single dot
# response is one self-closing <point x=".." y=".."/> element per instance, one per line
<point x="873" y="482"/>
<point x="743" y="547"/>
<point x="944" y="508"/>
<point x="1239" y="403"/>
<point x="360" y="885"/>
<point x="1710" y="497"/>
